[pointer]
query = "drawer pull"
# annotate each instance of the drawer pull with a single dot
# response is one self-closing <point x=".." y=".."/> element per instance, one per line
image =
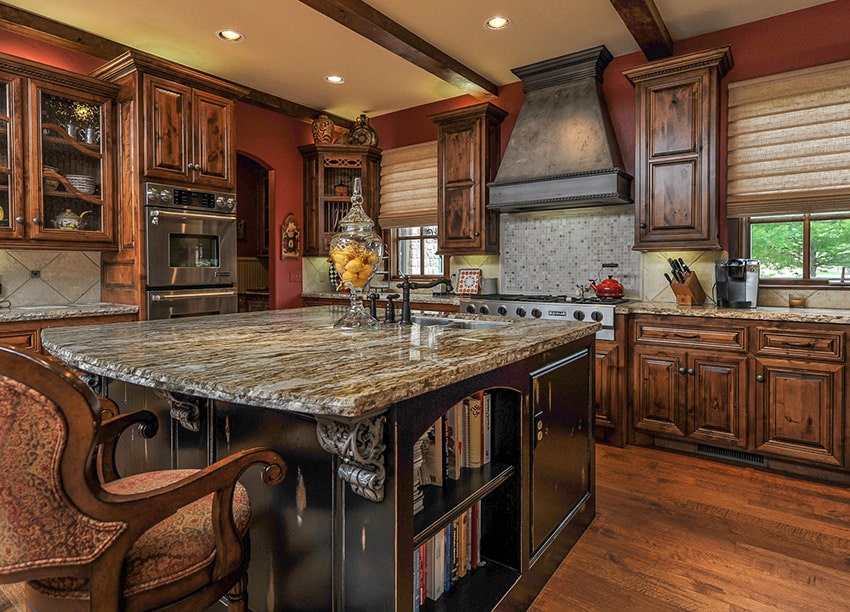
<point x="683" y="335"/>
<point x="807" y="343"/>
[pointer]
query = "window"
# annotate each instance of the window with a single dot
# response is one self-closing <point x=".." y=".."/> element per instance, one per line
<point x="810" y="247"/>
<point x="408" y="210"/>
<point x="416" y="251"/>
<point x="788" y="184"/>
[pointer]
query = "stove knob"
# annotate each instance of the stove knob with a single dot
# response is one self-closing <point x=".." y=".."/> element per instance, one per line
<point x="596" y="316"/>
<point x="520" y="311"/>
<point x="485" y="309"/>
<point x="535" y="312"/>
<point x="578" y="315"/>
<point x="502" y="310"/>
<point x="470" y="308"/>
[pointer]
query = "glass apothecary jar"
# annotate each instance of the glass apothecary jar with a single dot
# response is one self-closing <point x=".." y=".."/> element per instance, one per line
<point x="356" y="254"/>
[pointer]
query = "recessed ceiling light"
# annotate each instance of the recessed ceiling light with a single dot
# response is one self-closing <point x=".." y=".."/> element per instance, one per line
<point x="335" y="79"/>
<point x="230" y="35"/>
<point x="497" y="23"/>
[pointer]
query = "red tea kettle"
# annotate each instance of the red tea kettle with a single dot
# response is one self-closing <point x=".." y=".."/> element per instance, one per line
<point x="609" y="288"/>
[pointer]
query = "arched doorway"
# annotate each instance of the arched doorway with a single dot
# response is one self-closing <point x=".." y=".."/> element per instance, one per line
<point x="252" y="244"/>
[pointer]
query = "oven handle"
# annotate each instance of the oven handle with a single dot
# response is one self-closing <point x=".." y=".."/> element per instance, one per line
<point x="157" y="297"/>
<point x="155" y="213"/>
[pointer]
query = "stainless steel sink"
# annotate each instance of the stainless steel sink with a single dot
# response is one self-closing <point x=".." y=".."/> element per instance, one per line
<point x="455" y="323"/>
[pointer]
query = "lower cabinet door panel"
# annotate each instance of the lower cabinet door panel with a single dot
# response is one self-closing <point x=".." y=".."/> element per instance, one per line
<point x="800" y="410"/>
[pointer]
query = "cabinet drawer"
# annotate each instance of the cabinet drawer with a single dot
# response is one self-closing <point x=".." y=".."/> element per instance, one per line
<point x="809" y="343"/>
<point x="732" y="337"/>
<point x="26" y="339"/>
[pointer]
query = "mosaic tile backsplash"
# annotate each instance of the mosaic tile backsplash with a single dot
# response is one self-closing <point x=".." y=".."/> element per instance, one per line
<point x="553" y="251"/>
<point x="42" y="278"/>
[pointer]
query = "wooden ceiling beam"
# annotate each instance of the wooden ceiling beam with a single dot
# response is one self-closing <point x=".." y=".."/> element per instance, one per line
<point x="646" y="26"/>
<point x="361" y="18"/>
<point x="53" y="32"/>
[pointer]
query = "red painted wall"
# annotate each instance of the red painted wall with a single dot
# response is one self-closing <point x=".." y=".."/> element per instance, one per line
<point x="272" y="140"/>
<point x="38" y="51"/>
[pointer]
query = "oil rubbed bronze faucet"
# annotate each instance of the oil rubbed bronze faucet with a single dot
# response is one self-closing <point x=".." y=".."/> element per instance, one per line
<point x="406" y="285"/>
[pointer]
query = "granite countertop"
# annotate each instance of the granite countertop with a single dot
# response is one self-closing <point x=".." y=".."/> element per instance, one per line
<point x="64" y="311"/>
<point x="450" y="299"/>
<point x="762" y="313"/>
<point x="294" y="360"/>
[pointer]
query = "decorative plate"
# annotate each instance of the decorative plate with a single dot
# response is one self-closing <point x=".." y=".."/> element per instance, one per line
<point x="468" y="280"/>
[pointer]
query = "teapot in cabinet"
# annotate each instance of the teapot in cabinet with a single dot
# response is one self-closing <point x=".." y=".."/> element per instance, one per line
<point x="69" y="220"/>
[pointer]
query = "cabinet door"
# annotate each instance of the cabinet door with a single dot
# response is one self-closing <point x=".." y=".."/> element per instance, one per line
<point x="607" y="395"/>
<point x="800" y="410"/>
<point x="716" y="392"/>
<point x="11" y="158"/>
<point x="659" y="392"/>
<point x="675" y="206"/>
<point x="214" y="147"/>
<point x="70" y="196"/>
<point x="167" y="143"/>
<point x="458" y="162"/>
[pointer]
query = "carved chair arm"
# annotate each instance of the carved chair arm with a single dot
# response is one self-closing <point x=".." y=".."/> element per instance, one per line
<point x="110" y="432"/>
<point x="145" y="509"/>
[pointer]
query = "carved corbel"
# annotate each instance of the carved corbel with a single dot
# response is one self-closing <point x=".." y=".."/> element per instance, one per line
<point x="360" y="445"/>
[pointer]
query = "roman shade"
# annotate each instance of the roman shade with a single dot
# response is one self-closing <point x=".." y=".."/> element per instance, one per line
<point x="409" y="186"/>
<point x="789" y="142"/>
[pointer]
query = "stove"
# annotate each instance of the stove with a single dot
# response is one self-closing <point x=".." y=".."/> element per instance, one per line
<point x="554" y="307"/>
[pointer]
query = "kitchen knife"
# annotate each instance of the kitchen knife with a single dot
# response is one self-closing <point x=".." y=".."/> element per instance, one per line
<point x="669" y="280"/>
<point x="684" y="266"/>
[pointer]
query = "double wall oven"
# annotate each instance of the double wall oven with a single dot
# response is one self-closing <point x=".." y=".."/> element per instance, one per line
<point x="190" y="251"/>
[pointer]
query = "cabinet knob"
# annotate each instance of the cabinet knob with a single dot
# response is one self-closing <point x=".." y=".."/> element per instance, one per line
<point x="682" y="371"/>
<point x="36" y="221"/>
<point x="642" y="225"/>
<point x="691" y="371"/>
<point x="19" y="219"/>
<point x="477" y="234"/>
<point x="759" y="378"/>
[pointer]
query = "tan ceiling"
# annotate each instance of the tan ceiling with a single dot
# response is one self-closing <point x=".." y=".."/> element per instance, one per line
<point x="289" y="47"/>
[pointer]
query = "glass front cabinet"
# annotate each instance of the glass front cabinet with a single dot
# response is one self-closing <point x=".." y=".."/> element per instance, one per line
<point x="55" y="172"/>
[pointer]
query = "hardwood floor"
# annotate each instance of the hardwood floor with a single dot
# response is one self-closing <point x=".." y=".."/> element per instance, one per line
<point x="674" y="532"/>
<point x="681" y="533"/>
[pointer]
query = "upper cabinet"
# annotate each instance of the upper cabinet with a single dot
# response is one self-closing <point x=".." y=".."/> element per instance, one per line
<point x="189" y="135"/>
<point x="186" y="119"/>
<point x="329" y="173"/>
<point x="56" y="172"/>
<point x="468" y="148"/>
<point x="677" y="123"/>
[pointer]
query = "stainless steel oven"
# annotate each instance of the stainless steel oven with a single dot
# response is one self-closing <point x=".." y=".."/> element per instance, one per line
<point x="176" y="303"/>
<point x="190" y="251"/>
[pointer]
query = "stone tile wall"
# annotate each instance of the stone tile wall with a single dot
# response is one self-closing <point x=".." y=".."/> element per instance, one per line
<point x="39" y="278"/>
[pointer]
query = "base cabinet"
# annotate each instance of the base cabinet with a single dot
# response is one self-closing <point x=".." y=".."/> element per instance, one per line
<point x="774" y="389"/>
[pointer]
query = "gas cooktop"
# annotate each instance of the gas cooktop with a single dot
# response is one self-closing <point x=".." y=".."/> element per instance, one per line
<point x="545" y="299"/>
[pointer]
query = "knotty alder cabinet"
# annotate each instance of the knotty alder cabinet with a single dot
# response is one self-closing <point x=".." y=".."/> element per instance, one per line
<point x="776" y="389"/>
<point x="56" y="188"/>
<point x="190" y="135"/>
<point x="329" y="173"/>
<point x="678" y="113"/>
<point x="468" y="147"/>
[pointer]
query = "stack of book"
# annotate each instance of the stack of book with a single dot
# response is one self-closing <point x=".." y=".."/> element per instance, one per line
<point x="448" y="556"/>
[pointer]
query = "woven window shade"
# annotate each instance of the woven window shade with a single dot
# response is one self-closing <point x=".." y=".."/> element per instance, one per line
<point x="409" y="186"/>
<point x="789" y="142"/>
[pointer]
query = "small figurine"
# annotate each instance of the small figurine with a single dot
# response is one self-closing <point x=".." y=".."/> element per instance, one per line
<point x="289" y="247"/>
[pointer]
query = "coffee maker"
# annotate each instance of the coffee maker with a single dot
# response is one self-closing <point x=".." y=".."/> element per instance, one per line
<point x="737" y="282"/>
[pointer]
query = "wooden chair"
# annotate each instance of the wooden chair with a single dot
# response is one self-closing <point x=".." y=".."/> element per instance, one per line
<point x="85" y="539"/>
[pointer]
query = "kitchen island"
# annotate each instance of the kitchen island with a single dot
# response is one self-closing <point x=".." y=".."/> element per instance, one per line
<point x="346" y="410"/>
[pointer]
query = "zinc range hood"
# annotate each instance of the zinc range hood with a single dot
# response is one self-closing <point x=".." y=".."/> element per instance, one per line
<point x="562" y="152"/>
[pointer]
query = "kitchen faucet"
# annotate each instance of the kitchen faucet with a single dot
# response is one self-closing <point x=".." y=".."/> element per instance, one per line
<point x="406" y="285"/>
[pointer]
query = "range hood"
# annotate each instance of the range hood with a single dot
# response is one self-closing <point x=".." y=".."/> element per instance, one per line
<point x="562" y="152"/>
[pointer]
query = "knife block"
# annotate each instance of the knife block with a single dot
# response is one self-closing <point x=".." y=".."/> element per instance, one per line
<point x="690" y="292"/>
